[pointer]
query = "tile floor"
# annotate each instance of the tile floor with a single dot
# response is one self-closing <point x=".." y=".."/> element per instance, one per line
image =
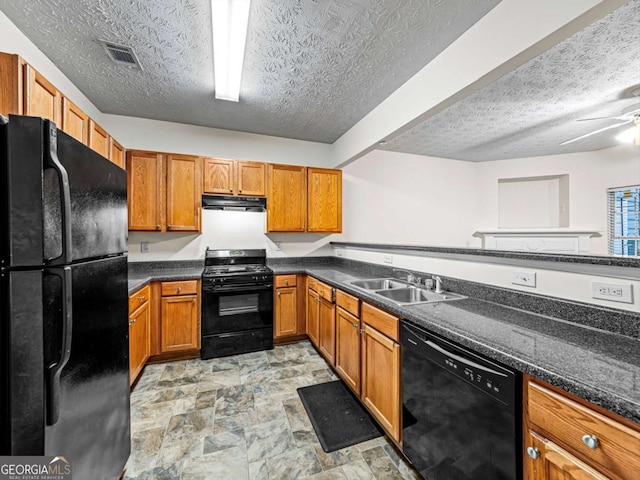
<point x="241" y="418"/>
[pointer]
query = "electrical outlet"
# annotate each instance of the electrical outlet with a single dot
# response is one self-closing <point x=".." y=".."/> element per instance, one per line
<point x="614" y="292"/>
<point x="388" y="259"/>
<point x="527" y="279"/>
<point x="339" y="252"/>
<point x="144" y="247"/>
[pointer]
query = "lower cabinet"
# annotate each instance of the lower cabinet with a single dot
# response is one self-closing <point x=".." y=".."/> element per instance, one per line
<point x="179" y="316"/>
<point x="139" y="331"/>
<point x="321" y="318"/>
<point x="348" y="348"/>
<point x="288" y="308"/>
<point x="568" y="438"/>
<point x="313" y="315"/>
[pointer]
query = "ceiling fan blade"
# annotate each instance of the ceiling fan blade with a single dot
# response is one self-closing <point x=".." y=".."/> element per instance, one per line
<point x="620" y="117"/>
<point x="628" y="121"/>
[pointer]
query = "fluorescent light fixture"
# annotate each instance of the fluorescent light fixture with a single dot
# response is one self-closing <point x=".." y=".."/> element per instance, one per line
<point x="628" y="135"/>
<point x="230" y="19"/>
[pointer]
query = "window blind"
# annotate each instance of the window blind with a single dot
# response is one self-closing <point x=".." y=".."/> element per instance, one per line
<point x="623" y="222"/>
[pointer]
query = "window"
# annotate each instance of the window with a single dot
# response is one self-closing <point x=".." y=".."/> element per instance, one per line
<point x="624" y="221"/>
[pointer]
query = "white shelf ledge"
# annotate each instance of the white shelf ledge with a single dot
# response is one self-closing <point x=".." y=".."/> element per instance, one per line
<point x="550" y="240"/>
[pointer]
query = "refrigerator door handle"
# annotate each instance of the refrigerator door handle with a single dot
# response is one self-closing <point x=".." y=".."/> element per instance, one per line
<point x="51" y="160"/>
<point x="55" y="369"/>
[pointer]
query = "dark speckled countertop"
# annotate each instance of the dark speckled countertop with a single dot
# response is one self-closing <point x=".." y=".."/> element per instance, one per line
<point x="141" y="273"/>
<point x="600" y="366"/>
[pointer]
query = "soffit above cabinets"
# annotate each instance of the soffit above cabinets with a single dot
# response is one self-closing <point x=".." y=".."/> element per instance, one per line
<point x="313" y="68"/>
<point x="531" y="110"/>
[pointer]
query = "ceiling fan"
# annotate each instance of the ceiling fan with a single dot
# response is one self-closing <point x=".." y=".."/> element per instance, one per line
<point x="630" y="115"/>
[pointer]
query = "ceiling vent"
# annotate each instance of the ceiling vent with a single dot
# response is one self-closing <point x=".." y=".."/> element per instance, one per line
<point x="121" y="54"/>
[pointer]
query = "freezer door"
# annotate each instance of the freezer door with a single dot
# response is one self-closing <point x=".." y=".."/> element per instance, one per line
<point x="87" y="366"/>
<point x="22" y="398"/>
<point x="65" y="202"/>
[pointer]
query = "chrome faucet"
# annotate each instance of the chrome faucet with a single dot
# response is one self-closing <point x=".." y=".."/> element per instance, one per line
<point x="411" y="278"/>
<point x="438" y="280"/>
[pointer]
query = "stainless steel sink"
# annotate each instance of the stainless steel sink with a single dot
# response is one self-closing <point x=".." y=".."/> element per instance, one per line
<point x="414" y="295"/>
<point x="379" y="284"/>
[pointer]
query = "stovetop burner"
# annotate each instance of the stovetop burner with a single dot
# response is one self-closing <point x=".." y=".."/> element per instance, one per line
<point x="235" y="269"/>
<point x="235" y="263"/>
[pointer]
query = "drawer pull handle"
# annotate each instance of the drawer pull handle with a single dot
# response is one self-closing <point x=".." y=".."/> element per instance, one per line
<point x="355" y="325"/>
<point x="142" y="299"/>
<point x="179" y="289"/>
<point x="157" y="227"/>
<point x="286" y="282"/>
<point x="278" y="293"/>
<point x="533" y="452"/>
<point x="591" y="441"/>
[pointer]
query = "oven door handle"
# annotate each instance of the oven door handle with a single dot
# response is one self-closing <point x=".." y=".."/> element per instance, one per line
<point x="237" y="288"/>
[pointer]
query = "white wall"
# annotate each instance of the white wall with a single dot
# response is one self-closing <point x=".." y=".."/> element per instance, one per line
<point x="590" y="174"/>
<point x="225" y="230"/>
<point x="408" y="199"/>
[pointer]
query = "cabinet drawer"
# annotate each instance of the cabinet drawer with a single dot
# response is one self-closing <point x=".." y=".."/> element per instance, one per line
<point x="326" y="292"/>
<point x="382" y="321"/>
<point x="285" y="281"/>
<point x="183" y="287"/>
<point x="139" y="297"/>
<point x="350" y="303"/>
<point x="618" y="446"/>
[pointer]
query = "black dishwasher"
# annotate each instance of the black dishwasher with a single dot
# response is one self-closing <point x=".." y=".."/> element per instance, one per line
<point x="461" y="411"/>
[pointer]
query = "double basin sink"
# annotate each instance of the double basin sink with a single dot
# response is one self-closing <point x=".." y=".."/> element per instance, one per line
<point x="403" y="293"/>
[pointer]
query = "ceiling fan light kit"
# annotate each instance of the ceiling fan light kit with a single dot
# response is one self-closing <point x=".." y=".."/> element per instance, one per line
<point x="230" y="20"/>
<point x="629" y="115"/>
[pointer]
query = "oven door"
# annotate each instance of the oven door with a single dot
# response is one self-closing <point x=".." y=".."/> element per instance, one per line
<point x="236" y="309"/>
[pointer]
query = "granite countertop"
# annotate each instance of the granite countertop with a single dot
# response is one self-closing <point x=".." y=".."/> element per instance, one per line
<point x="141" y="273"/>
<point x="600" y="366"/>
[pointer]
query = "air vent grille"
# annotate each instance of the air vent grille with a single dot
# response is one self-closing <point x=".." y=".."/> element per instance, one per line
<point x="121" y="54"/>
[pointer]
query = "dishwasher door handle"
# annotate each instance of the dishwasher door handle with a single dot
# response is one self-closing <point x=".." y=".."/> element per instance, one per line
<point x="463" y="360"/>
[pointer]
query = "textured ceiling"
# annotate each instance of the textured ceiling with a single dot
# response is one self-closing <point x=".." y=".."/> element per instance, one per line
<point x="531" y="110"/>
<point x="313" y="68"/>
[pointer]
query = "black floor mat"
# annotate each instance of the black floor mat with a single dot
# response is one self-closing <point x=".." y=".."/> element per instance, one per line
<point x="337" y="416"/>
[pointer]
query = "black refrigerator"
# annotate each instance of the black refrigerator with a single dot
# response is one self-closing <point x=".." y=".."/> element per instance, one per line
<point x="64" y="347"/>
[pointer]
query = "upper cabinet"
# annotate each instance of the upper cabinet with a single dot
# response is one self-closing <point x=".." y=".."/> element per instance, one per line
<point x="24" y="91"/>
<point x="287" y="198"/>
<point x="234" y="177"/>
<point x="324" y="200"/>
<point x="164" y="192"/>
<point x="74" y="121"/>
<point x="304" y="199"/>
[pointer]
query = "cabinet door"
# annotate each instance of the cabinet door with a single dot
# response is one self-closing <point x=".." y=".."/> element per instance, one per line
<point x="11" y="84"/>
<point x="179" y="323"/>
<point x="286" y="312"/>
<point x="42" y="99"/>
<point x="286" y="199"/>
<point x="184" y="194"/>
<point x="324" y="213"/>
<point x="313" y="316"/>
<point x="219" y="176"/>
<point x="381" y="379"/>
<point x="99" y="139"/>
<point x="145" y="190"/>
<point x="74" y="121"/>
<point x="327" y="344"/>
<point x="554" y="463"/>
<point x="252" y="178"/>
<point x="348" y="348"/>
<point x="116" y="153"/>
<point x="139" y="336"/>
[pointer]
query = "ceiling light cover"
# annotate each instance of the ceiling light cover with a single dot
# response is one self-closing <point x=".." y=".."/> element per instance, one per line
<point x="230" y="19"/>
<point x="628" y="135"/>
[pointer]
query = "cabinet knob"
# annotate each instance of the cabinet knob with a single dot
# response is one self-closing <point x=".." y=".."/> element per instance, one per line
<point x="355" y="325"/>
<point x="591" y="441"/>
<point x="239" y="191"/>
<point x="179" y="289"/>
<point x="142" y="298"/>
<point x="278" y="293"/>
<point x="231" y="189"/>
<point x="362" y="330"/>
<point x="157" y="227"/>
<point x="286" y="282"/>
<point x="193" y="301"/>
<point x="533" y="452"/>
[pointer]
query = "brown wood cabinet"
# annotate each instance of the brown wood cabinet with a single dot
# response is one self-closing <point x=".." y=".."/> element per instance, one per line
<point x="164" y="192"/>
<point x="568" y="438"/>
<point x="380" y="364"/>
<point x="286" y="198"/>
<point x="24" y="91"/>
<point x="74" y="121"/>
<point x="324" y="200"/>
<point x="184" y="194"/>
<point x="139" y="331"/>
<point x="234" y="177"/>
<point x="286" y="311"/>
<point x="348" y="348"/>
<point x="313" y="313"/>
<point x="321" y="318"/>
<point x="180" y="317"/>
<point x="117" y="153"/>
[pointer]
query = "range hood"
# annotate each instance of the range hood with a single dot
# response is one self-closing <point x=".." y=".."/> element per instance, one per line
<point x="239" y="204"/>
